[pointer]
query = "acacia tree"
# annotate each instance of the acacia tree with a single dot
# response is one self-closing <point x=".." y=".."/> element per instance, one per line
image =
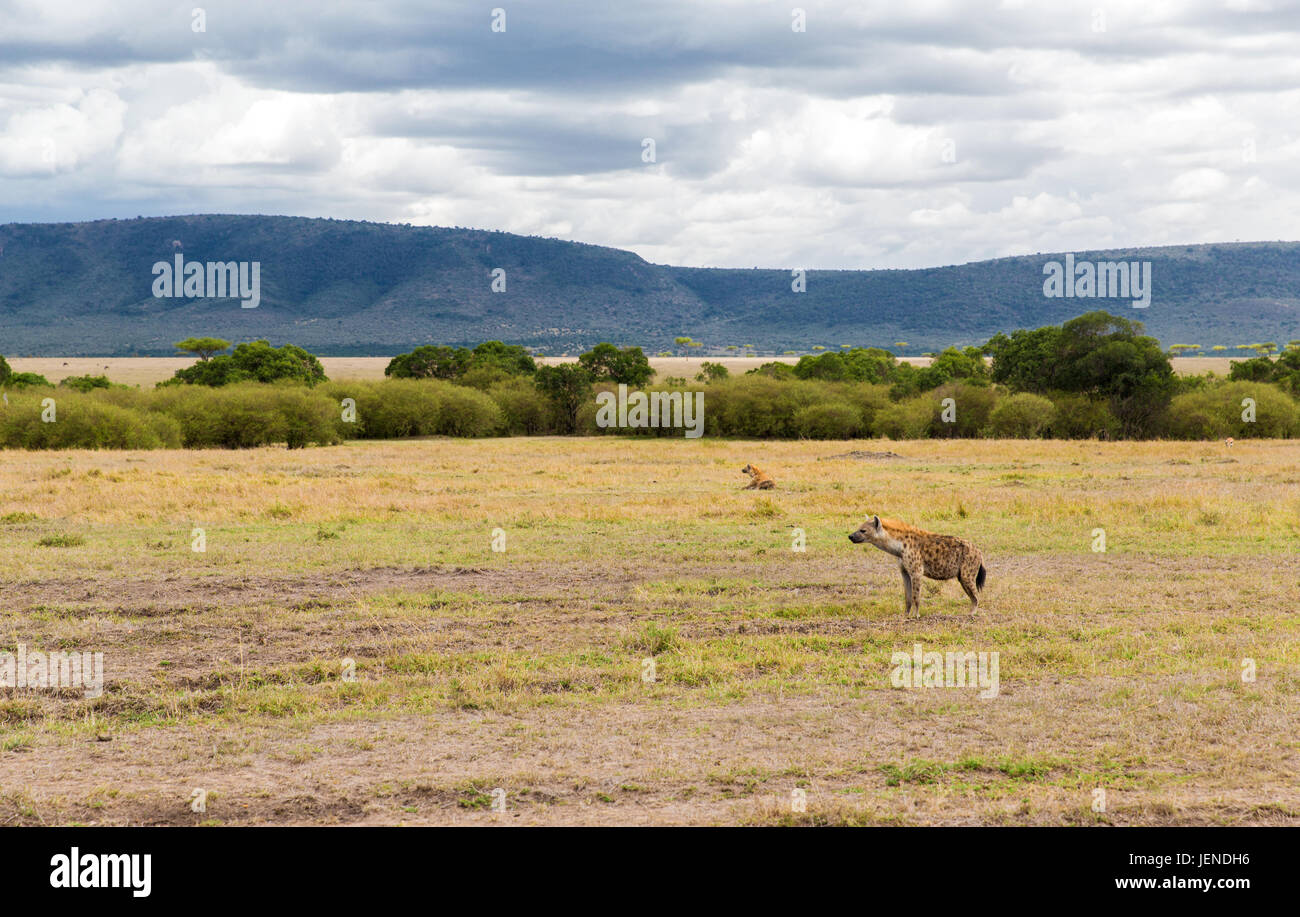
<point x="203" y="348"/>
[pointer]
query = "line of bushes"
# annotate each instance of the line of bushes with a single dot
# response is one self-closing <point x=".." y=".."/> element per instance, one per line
<point x="1095" y="376"/>
<point x="761" y="407"/>
<point x="751" y="406"/>
<point x="245" y="415"/>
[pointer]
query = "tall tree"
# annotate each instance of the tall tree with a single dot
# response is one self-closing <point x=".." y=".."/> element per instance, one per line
<point x="203" y="348"/>
<point x="568" y="385"/>
<point x="606" y="362"/>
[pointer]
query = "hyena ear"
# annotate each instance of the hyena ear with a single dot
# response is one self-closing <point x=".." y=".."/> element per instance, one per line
<point x="875" y="523"/>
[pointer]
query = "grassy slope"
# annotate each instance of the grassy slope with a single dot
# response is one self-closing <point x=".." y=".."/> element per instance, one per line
<point x="522" y="669"/>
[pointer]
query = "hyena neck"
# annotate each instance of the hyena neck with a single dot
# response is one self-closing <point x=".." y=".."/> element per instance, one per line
<point x="889" y="540"/>
<point x="890" y="545"/>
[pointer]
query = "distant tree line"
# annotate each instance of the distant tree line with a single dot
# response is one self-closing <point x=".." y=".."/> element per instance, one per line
<point x="1095" y="376"/>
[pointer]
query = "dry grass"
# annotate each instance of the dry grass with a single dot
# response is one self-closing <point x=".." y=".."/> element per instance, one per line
<point x="147" y="371"/>
<point x="522" y="669"/>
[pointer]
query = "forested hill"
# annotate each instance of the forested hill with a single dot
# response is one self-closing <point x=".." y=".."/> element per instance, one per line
<point x="339" y="287"/>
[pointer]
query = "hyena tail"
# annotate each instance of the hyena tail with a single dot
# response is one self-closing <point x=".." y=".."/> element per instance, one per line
<point x="979" y="578"/>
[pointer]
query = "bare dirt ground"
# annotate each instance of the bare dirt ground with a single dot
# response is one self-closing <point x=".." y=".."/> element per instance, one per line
<point x="524" y="670"/>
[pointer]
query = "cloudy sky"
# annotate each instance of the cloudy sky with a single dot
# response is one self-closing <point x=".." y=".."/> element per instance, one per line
<point x="893" y="134"/>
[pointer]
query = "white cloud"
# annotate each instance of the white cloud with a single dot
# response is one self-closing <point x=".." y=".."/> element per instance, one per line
<point x="40" y="140"/>
<point x="885" y="136"/>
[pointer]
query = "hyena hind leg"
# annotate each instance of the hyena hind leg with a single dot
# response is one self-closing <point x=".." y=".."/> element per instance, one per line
<point x="968" y="583"/>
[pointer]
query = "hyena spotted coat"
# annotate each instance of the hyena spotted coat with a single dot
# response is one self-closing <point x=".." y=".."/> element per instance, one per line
<point x="761" y="479"/>
<point x="921" y="553"/>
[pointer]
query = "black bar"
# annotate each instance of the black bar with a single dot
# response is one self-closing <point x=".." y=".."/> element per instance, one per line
<point x="943" y="866"/>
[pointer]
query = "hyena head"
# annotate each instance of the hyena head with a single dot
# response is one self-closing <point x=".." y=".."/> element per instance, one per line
<point x="872" y="532"/>
<point x="748" y="469"/>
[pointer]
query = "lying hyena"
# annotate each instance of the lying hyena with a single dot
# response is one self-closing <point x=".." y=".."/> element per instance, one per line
<point x="761" y="479"/>
<point x="922" y="553"/>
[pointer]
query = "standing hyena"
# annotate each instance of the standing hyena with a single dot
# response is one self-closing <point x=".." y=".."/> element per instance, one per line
<point x="921" y="553"/>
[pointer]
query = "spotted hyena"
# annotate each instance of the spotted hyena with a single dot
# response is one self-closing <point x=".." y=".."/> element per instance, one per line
<point x="761" y="479"/>
<point x="921" y="553"/>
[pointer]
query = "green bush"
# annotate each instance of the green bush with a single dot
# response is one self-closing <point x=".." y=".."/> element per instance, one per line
<point x="248" y="414"/>
<point x="973" y="404"/>
<point x="828" y="420"/>
<point x="391" y="409"/>
<point x="524" y="410"/>
<point x="758" y="406"/>
<point x="909" y="419"/>
<point x="1082" y="417"/>
<point x="774" y="370"/>
<point x="82" y="421"/>
<point x="589" y="411"/>
<point x="469" y="412"/>
<point x="485" y="376"/>
<point x="1284" y="371"/>
<point x="27" y="380"/>
<point x="396" y="408"/>
<point x="1022" y="416"/>
<point x="869" y="399"/>
<point x="85" y="383"/>
<point x="1217" y="413"/>
<point x="712" y="372"/>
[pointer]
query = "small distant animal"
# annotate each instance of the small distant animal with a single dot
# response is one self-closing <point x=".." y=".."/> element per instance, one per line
<point x="761" y="479"/>
<point x="921" y="553"/>
<point x="1229" y="441"/>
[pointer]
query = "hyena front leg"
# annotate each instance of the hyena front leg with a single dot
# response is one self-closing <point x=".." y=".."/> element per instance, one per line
<point x="912" y="574"/>
<point x="907" y="591"/>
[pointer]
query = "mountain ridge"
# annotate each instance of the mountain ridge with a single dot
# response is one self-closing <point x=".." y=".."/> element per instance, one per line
<point x="342" y="287"/>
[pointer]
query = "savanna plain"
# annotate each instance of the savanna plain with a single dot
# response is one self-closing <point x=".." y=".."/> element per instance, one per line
<point x="389" y="632"/>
